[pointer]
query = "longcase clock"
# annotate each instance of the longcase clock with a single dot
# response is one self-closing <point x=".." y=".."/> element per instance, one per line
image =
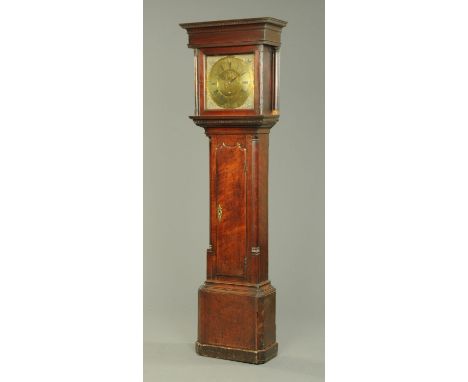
<point x="236" y="102"/>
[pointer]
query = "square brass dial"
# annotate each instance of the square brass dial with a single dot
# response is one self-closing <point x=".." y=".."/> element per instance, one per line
<point x="229" y="82"/>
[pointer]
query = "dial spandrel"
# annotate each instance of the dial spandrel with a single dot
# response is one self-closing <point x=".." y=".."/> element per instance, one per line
<point x="230" y="82"/>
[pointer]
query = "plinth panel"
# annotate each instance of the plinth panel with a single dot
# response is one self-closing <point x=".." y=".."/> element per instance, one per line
<point x="237" y="322"/>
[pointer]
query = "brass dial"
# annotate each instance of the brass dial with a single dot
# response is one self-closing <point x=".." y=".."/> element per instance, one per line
<point x="231" y="82"/>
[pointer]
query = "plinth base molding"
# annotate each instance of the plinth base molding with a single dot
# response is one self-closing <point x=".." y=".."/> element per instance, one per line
<point x="240" y="355"/>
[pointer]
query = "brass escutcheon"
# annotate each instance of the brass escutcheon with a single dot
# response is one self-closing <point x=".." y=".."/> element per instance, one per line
<point x="219" y="211"/>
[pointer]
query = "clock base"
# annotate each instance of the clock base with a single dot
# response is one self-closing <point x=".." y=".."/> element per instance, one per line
<point x="241" y="355"/>
<point x="237" y="321"/>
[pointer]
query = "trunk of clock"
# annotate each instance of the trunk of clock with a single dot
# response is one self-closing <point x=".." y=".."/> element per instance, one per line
<point x="237" y="302"/>
<point x="230" y="197"/>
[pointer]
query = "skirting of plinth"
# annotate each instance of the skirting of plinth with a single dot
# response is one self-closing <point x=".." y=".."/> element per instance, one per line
<point x="240" y="355"/>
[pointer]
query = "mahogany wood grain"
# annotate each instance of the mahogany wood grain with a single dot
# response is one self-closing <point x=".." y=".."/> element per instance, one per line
<point x="230" y="189"/>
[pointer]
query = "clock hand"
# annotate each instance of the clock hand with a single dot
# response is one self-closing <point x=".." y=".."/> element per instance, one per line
<point x="241" y="74"/>
<point x="238" y="75"/>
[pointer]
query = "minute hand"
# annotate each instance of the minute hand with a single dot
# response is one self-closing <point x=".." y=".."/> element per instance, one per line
<point x="239" y="75"/>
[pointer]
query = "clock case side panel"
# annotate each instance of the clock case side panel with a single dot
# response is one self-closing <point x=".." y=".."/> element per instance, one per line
<point x="264" y="79"/>
<point x="262" y="184"/>
<point x="266" y="73"/>
<point x="257" y="207"/>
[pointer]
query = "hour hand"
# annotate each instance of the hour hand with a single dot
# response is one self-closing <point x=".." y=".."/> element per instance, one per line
<point x="232" y="79"/>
